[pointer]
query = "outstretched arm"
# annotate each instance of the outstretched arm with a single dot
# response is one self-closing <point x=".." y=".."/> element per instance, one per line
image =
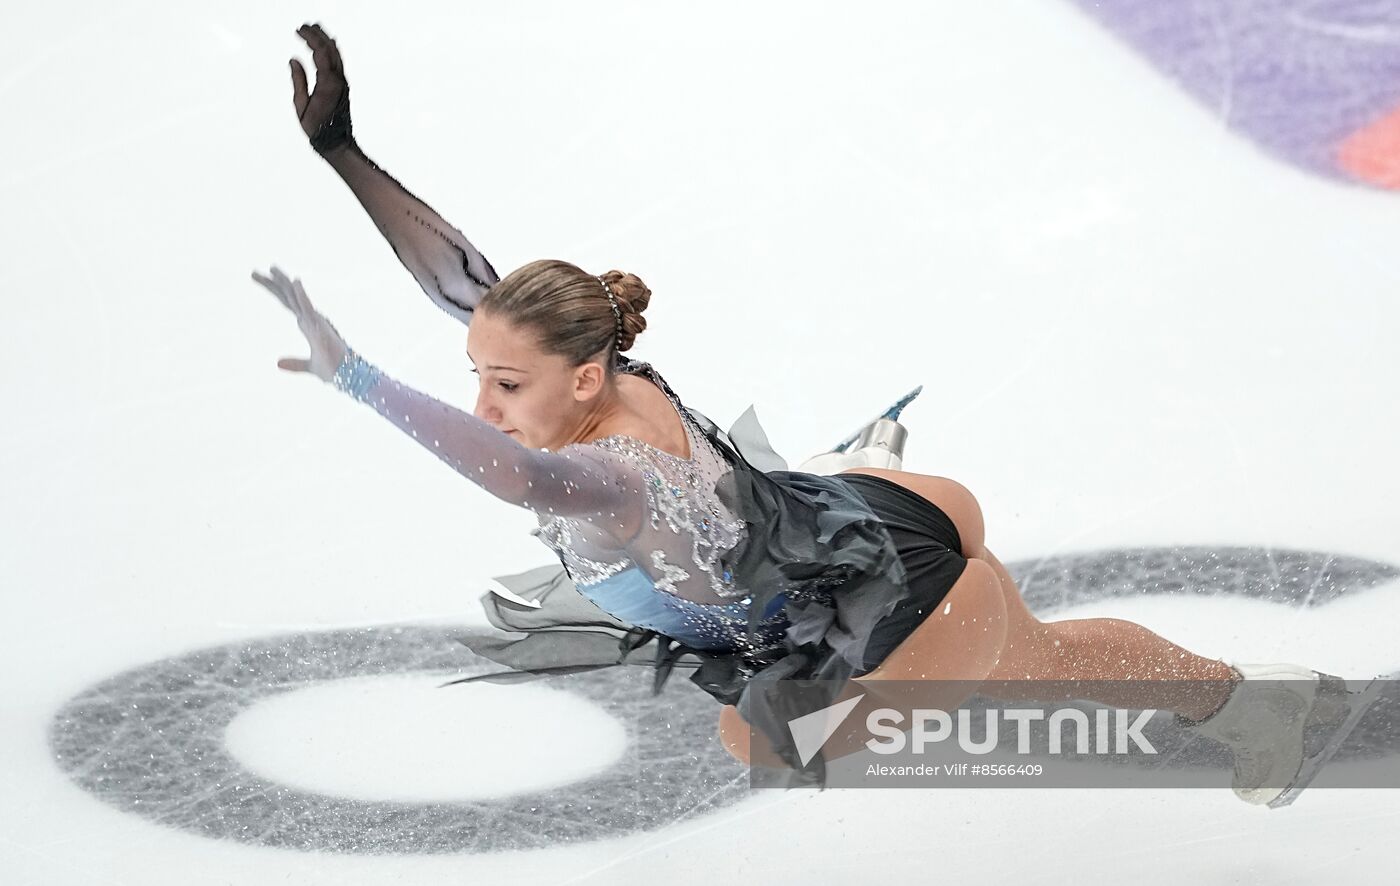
<point x="446" y="265"/>
<point x="580" y="481"/>
<point x="444" y="262"/>
<point x="576" y="482"/>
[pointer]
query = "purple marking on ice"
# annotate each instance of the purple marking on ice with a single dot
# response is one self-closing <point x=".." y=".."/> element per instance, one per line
<point x="1296" y="77"/>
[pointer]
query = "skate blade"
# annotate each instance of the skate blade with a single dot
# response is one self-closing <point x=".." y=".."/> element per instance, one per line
<point x="1336" y="704"/>
<point x="892" y="414"/>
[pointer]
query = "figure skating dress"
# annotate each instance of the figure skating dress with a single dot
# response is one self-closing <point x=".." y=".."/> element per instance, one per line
<point x="708" y="563"/>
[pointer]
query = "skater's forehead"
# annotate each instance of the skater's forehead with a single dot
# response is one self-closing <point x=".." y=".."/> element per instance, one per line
<point x="503" y="346"/>
<point x="494" y="367"/>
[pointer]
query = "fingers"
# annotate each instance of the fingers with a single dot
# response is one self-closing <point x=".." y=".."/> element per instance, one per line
<point x="332" y="51"/>
<point x="301" y="296"/>
<point x="323" y="51"/>
<point x="291" y="293"/>
<point x="272" y="287"/>
<point x="284" y="284"/>
<point x="313" y="39"/>
<point x="313" y="35"/>
<point x="299" y="98"/>
<point x="281" y="287"/>
<point x="293" y="296"/>
<point x="284" y="287"/>
<point x="316" y="42"/>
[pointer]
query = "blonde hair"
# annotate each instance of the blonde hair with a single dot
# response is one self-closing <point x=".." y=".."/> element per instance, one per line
<point x="568" y="308"/>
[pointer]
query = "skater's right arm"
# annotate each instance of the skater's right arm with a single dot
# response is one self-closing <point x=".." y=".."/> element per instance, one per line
<point x="446" y="265"/>
<point x="579" y="480"/>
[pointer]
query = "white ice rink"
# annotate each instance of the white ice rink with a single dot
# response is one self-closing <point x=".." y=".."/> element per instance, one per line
<point x="1135" y="331"/>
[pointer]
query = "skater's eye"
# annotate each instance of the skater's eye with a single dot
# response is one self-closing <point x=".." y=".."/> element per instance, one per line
<point x="507" y="385"/>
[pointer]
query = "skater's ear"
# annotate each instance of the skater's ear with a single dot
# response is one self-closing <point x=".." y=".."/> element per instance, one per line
<point x="589" y="380"/>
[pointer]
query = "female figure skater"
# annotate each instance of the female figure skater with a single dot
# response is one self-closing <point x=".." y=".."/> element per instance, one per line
<point x="661" y="521"/>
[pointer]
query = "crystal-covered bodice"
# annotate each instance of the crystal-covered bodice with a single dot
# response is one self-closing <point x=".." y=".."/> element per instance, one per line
<point x="685" y="527"/>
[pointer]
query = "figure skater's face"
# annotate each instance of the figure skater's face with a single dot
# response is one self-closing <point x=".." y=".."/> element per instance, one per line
<point x="534" y="396"/>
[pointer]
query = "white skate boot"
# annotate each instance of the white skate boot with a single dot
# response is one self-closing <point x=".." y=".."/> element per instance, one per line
<point x="1282" y="723"/>
<point x="879" y="444"/>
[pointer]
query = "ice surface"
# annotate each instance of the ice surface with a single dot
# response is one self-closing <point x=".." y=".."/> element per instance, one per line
<point x="397" y="738"/>
<point x="1161" y="357"/>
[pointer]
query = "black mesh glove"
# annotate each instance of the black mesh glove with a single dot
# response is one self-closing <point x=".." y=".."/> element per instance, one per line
<point x="446" y="265"/>
<point x="325" y="112"/>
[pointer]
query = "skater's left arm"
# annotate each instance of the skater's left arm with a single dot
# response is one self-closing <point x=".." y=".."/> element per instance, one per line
<point x="450" y="270"/>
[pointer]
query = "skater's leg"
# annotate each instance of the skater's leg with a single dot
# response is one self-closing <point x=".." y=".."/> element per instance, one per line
<point x="1101" y="649"/>
<point x="1263" y="729"/>
<point x="1105" y="649"/>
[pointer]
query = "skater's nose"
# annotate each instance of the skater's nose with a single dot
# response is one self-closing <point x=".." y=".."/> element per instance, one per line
<point x="485" y="409"/>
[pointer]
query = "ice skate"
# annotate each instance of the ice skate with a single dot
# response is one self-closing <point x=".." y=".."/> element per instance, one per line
<point x="879" y="444"/>
<point x="1282" y="723"/>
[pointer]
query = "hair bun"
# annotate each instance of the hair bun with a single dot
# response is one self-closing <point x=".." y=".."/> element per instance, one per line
<point x="632" y="296"/>
<point x="568" y="309"/>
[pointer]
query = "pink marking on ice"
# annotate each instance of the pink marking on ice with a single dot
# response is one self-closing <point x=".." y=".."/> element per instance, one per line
<point x="1372" y="153"/>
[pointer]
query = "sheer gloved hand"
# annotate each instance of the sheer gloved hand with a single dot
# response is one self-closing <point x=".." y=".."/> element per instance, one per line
<point x="325" y="112"/>
<point x="328" y="349"/>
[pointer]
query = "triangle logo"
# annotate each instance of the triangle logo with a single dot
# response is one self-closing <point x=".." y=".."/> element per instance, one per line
<point x="810" y="731"/>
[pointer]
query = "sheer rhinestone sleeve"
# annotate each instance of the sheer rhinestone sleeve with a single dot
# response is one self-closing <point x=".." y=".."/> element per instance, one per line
<point x="577" y="481"/>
